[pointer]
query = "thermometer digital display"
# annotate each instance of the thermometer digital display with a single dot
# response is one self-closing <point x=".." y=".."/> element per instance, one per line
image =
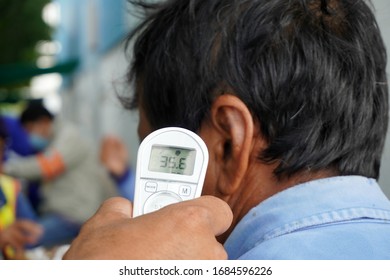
<point x="173" y="160"/>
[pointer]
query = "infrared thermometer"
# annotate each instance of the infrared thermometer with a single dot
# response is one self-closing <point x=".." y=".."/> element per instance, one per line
<point x="171" y="167"/>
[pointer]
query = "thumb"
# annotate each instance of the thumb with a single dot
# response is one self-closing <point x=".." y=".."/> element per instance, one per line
<point x="212" y="211"/>
<point x="219" y="215"/>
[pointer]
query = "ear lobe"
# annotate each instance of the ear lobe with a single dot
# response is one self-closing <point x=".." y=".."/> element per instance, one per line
<point x="233" y="129"/>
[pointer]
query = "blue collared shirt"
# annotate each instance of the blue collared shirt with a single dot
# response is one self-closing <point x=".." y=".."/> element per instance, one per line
<point x="334" y="218"/>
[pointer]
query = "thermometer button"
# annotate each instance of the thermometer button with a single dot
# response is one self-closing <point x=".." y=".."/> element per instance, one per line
<point x="159" y="200"/>
<point x="151" y="186"/>
<point x="185" y="190"/>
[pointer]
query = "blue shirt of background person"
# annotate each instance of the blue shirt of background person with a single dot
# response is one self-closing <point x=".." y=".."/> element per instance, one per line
<point x="126" y="184"/>
<point x="23" y="206"/>
<point x="18" y="138"/>
<point x="18" y="142"/>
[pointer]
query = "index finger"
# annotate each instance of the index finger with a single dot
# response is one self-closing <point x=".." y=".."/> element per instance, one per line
<point x="116" y="208"/>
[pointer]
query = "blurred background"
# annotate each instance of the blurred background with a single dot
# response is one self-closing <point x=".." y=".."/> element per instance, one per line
<point x="71" y="54"/>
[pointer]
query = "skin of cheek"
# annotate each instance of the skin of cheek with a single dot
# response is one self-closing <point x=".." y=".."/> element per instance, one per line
<point x="210" y="182"/>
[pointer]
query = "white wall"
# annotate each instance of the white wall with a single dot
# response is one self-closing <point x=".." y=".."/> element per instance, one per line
<point x="382" y="8"/>
<point x="93" y="105"/>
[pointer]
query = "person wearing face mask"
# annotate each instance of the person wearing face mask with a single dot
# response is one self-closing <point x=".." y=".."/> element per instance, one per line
<point x="73" y="183"/>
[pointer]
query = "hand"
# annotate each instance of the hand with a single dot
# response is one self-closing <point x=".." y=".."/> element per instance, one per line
<point x="183" y="230"/>
<point x="20" y="233"/>
<point x="114" y="155"/>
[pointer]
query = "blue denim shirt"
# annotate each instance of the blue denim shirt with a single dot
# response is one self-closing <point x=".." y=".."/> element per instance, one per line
<point x="334" y="218"/>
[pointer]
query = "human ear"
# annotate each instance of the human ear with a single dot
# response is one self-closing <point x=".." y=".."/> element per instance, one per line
<point x="229" y="135"/>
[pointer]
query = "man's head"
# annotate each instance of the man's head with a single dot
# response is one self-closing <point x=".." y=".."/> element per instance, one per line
<point x="311" y="72"/>
<point x="37" y="121"/>
<point x="298" y="86"/>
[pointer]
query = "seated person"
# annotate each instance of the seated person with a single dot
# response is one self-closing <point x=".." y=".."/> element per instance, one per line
<point x="18" y="144"/>
<point x="17" y="226"/>
<point x="74" y="183"/>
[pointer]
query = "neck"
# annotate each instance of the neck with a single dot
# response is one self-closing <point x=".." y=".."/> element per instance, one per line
<point x="260" y="184"/>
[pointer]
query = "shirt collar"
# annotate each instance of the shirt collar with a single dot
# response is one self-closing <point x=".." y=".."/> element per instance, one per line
<point x="311" y="202"/>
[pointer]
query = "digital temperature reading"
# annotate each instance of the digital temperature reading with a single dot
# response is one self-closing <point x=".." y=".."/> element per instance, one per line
<point x="172" y="160"/>
<point x="171" y="167"/>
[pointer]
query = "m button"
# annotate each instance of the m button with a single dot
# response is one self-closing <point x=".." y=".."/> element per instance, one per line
<point x="185" y="190"/>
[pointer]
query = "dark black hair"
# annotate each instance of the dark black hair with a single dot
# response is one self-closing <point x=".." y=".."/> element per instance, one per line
<point x="34" y="111"/>
<point x="312" y="72"/>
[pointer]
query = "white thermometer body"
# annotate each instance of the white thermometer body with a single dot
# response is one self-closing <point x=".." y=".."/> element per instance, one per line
<point x="171" y="167"/>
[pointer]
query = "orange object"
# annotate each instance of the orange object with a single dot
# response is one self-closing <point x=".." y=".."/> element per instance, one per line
<point x="52" y="165"/>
